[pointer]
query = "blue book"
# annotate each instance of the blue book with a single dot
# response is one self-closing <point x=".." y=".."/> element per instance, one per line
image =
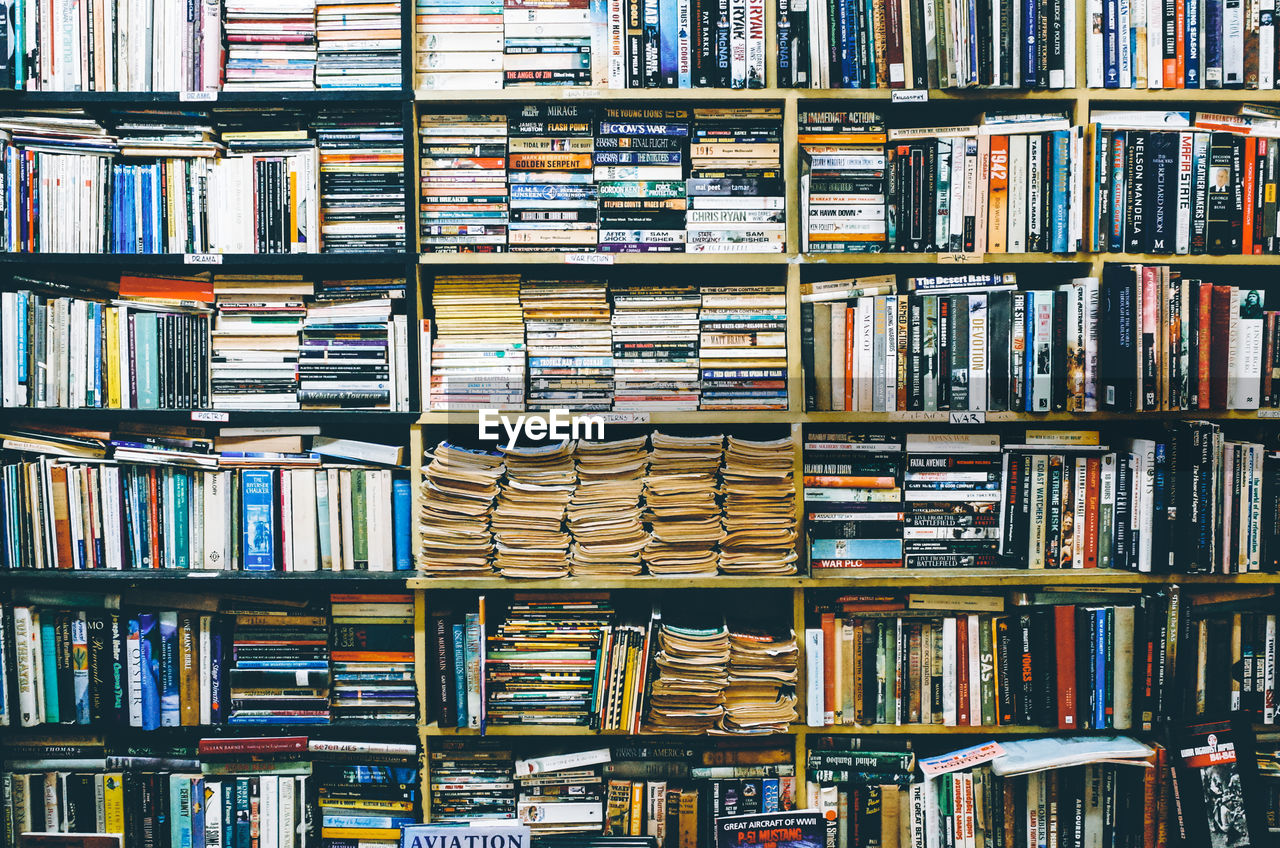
<point x="146" y="342"/>
<point x="149" y="662"/>
<point x="1111" y="36"/>
<point x="198" y="814"/>
<point x="1099" y="669"/>
<point x="1212" y="70"/>
<point x="170" y="701"/>
<point x="181" y="521"/>
<point x="845" y="41"/>
<point x="338" y="820"/>
<point x="49" y="668"/>
<point x="401" y="519"/>
<point x="852" y="44"/>
<point x="179" y="811"/>
<point x="257" y="519"/>
<point x="1119" y="141"/>
<point x="98" y="319"/>
<point x="460" y="672"/>
<point x="1192" y="59"/>
<point x="21" y="308"/>
<point x="80" y="667"/>
<point x="148" y="232"/>
<point x="769" y="795"/>
<point x="229" y="818"/>
<point x="1061" y="148"/>
<point x="668" y="42"/>
<point x="855" y="549"/>
<point x="869" y="72"/>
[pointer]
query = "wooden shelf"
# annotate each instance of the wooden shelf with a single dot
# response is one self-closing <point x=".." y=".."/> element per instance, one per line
<point x="868" y="95"/>
<point x="897" y="579"/>
<point x="559" y="258"/>
<point x="888" y="419"/>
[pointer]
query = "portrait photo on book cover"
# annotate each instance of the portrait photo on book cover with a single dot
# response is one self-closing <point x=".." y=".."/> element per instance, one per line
<point x="1224" y="806"/>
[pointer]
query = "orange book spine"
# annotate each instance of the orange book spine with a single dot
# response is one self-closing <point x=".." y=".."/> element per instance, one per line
<point x="998" y="205"/>
<point x="1092" y="493"/>
<point x="850" y="323"/>
<point x="828" y="668"/>
<point x="861" y="482"/>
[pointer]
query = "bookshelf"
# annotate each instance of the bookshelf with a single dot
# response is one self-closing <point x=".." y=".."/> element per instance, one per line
<point x="422" y="428"/>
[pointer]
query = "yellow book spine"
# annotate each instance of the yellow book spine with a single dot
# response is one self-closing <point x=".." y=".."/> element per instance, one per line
<point x="360" y="833"/>
<point x="112" y="359"/>
<point x="113" y="803"/>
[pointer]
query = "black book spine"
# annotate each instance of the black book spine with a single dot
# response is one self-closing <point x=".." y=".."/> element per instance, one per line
<point x="919" y="69"/>
<point x="1136" y="171"/>
<point x="1008" y="43"/>
<point x="786" y="59"/>
<point x="999" y="309"/>
<point x="1237" y="193"/>
<point x="807" y="356"/>
<point x="1160" y="528"/>
<point x="930" y="196"/>
<point x="1006" y="673"/>
<point x="722" y="43"/>
<point x="915" y="353"/>
<point x="1200" y="172"/>
<point x="1043" y="667"/>
<point x="1026" y="699"/>
<point x="635" y="44"/>
<point x="1053" y="511"/>
<point x="1056" y="78"/>
<point x="959" y="373"/>
<point x="944" y="351"/>
<point x="1163" y="192"/>
<point x="1221" y="195"/>
<point x="1058" y="395"/>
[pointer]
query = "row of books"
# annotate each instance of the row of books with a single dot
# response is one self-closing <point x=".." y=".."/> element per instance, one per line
<point x="688" y="505"/>
<point x="281" y="792"/>
<point x="1011" y="183"/>
<point x="511" y="342"/>
<point x="149" y="497"/>
<point x="110" y="46"/>
<point x="668" y="670"/>
<point x="671" y="792"/>
<point x="1141" y="338"/>
<point x="922" y="44"/>
<point x="574" y="177"/>
<point x="1184" y="183"/>
<point x="147" y="184"/>
<point x="1196" y="44"/>
<point x="615" y="44"/>
<point x="1054" y="659"/>
<point x="1185" y="500"/>
<point x="221" y="342"/>
<point x="120" y="662"/>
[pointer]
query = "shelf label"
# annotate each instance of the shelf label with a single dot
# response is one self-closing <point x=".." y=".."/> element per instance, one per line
<point x="197" y="96"/>
<point x="625" y="417"/>
<point x="194" y="573"/>
<point x="1269" y="413"/>
<point x="917" y="415"/>
<point x="967" y="418"/>
<point x="959" y="258"/>
<point x="588" y="258"/>
<point x="202" y="258"/>
<point x="210" y="415"/>
<point x="910" y="95"/>
<point x="579" y="93"/>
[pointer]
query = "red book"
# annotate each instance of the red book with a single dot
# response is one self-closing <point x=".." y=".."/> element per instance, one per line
<point x="252" y="745"/>
<point x="1150" y="804"/>
<point x="1220" y="346"/>
<point x="857" y="482"/>
<point x="154" y="504"/>
<point x="962" y="670"/>
<point x="1250" y="172"/>
<point x="1093" y="485"/>
<point x="1259" y="193"/>
<point x="1268" y="353"/>
<point x="1202" y="344"/>
<point x="893" y="52"/>
<point x="1064" y="637"/>
<point x="828" y="668"/>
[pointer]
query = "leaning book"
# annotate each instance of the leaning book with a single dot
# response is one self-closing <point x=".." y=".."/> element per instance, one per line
<point x="1219" y="797"/>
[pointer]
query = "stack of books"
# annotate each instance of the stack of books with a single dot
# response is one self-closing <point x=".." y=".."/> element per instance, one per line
<point x="552" y="43"/>
<point x="459" y="45"/>
<point x="570" y="344"/>
<point x="243" y="779"/>
<point x="626" y="656"/>
<point x="472" y="779"/>
<point x="639" y="162"/>
<point x="681" y="512"/>
<point x="358" y="44"/>
<point x="366" y="791"/>
<point x="561" y="794"/>
<point x="604" y="515"/>
<point x="761" y="696"/>
<point x="254" y="343"/>
<point x="477" y="352"/>
<point x="743" y="347"/>
<point x="271" y="45"/>
<point x="655" y="347"/>
<point x="362" y="182"/>
<point x="457" y="494"/>
<point x="759" y="507"/>
<point x="541" y="634"/>
<point x="528" y="520"/>
<point x="853" y="500"/>
<point x="354" y="351"/>
<point x="464" y="181"/>
<point x="947" y="477"/>
<point x="550" y="170"/>
<point x="371" y="644"/>
<point x="279" y="672"/>
<point x="843" y="183"/>
<point x="735" y="182"/>
<point x="909" y="45"/>
<point x="1222" y="641"/>
<point x="691" y="674"/>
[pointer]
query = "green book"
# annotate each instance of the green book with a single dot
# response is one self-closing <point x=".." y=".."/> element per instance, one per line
<point x="147" y="352"/>
<point x="49" y="667"/>
<point x="181" y="525"/>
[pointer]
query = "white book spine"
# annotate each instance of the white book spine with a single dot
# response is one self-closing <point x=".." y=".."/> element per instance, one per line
<point x="617" y="45"/>
<point x="212" y="813"/>
<point x="1269" y="671"/>
<point x="109" y="493"/>
<point x="1182" y="225"/>
<point x="1125" y="58"/>
<point x="948" y="673"/>
<point x="838" y="329"/>
<point x="1081" y="481"/>
<point x="1070" y="38"/>
<point x="1244" y="380"/>
<point x="269" y="810"/>
<point x="865" y="341"/>
<point x="1155" y="35"/>
<point x="287" y="811"/>
<point x="25" y="644"/>
<point x="1017" y="199"/>
<point x="975" y="666"/>
<point x="813" y="675"/>
<point x="1089" y="295"/>
<point x="978" y="352"/>
<point x="1233" y="33"/>
<point x="1266" y="44"/>
<point x="133" y="666"/>
<point x="891" y="306"/>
